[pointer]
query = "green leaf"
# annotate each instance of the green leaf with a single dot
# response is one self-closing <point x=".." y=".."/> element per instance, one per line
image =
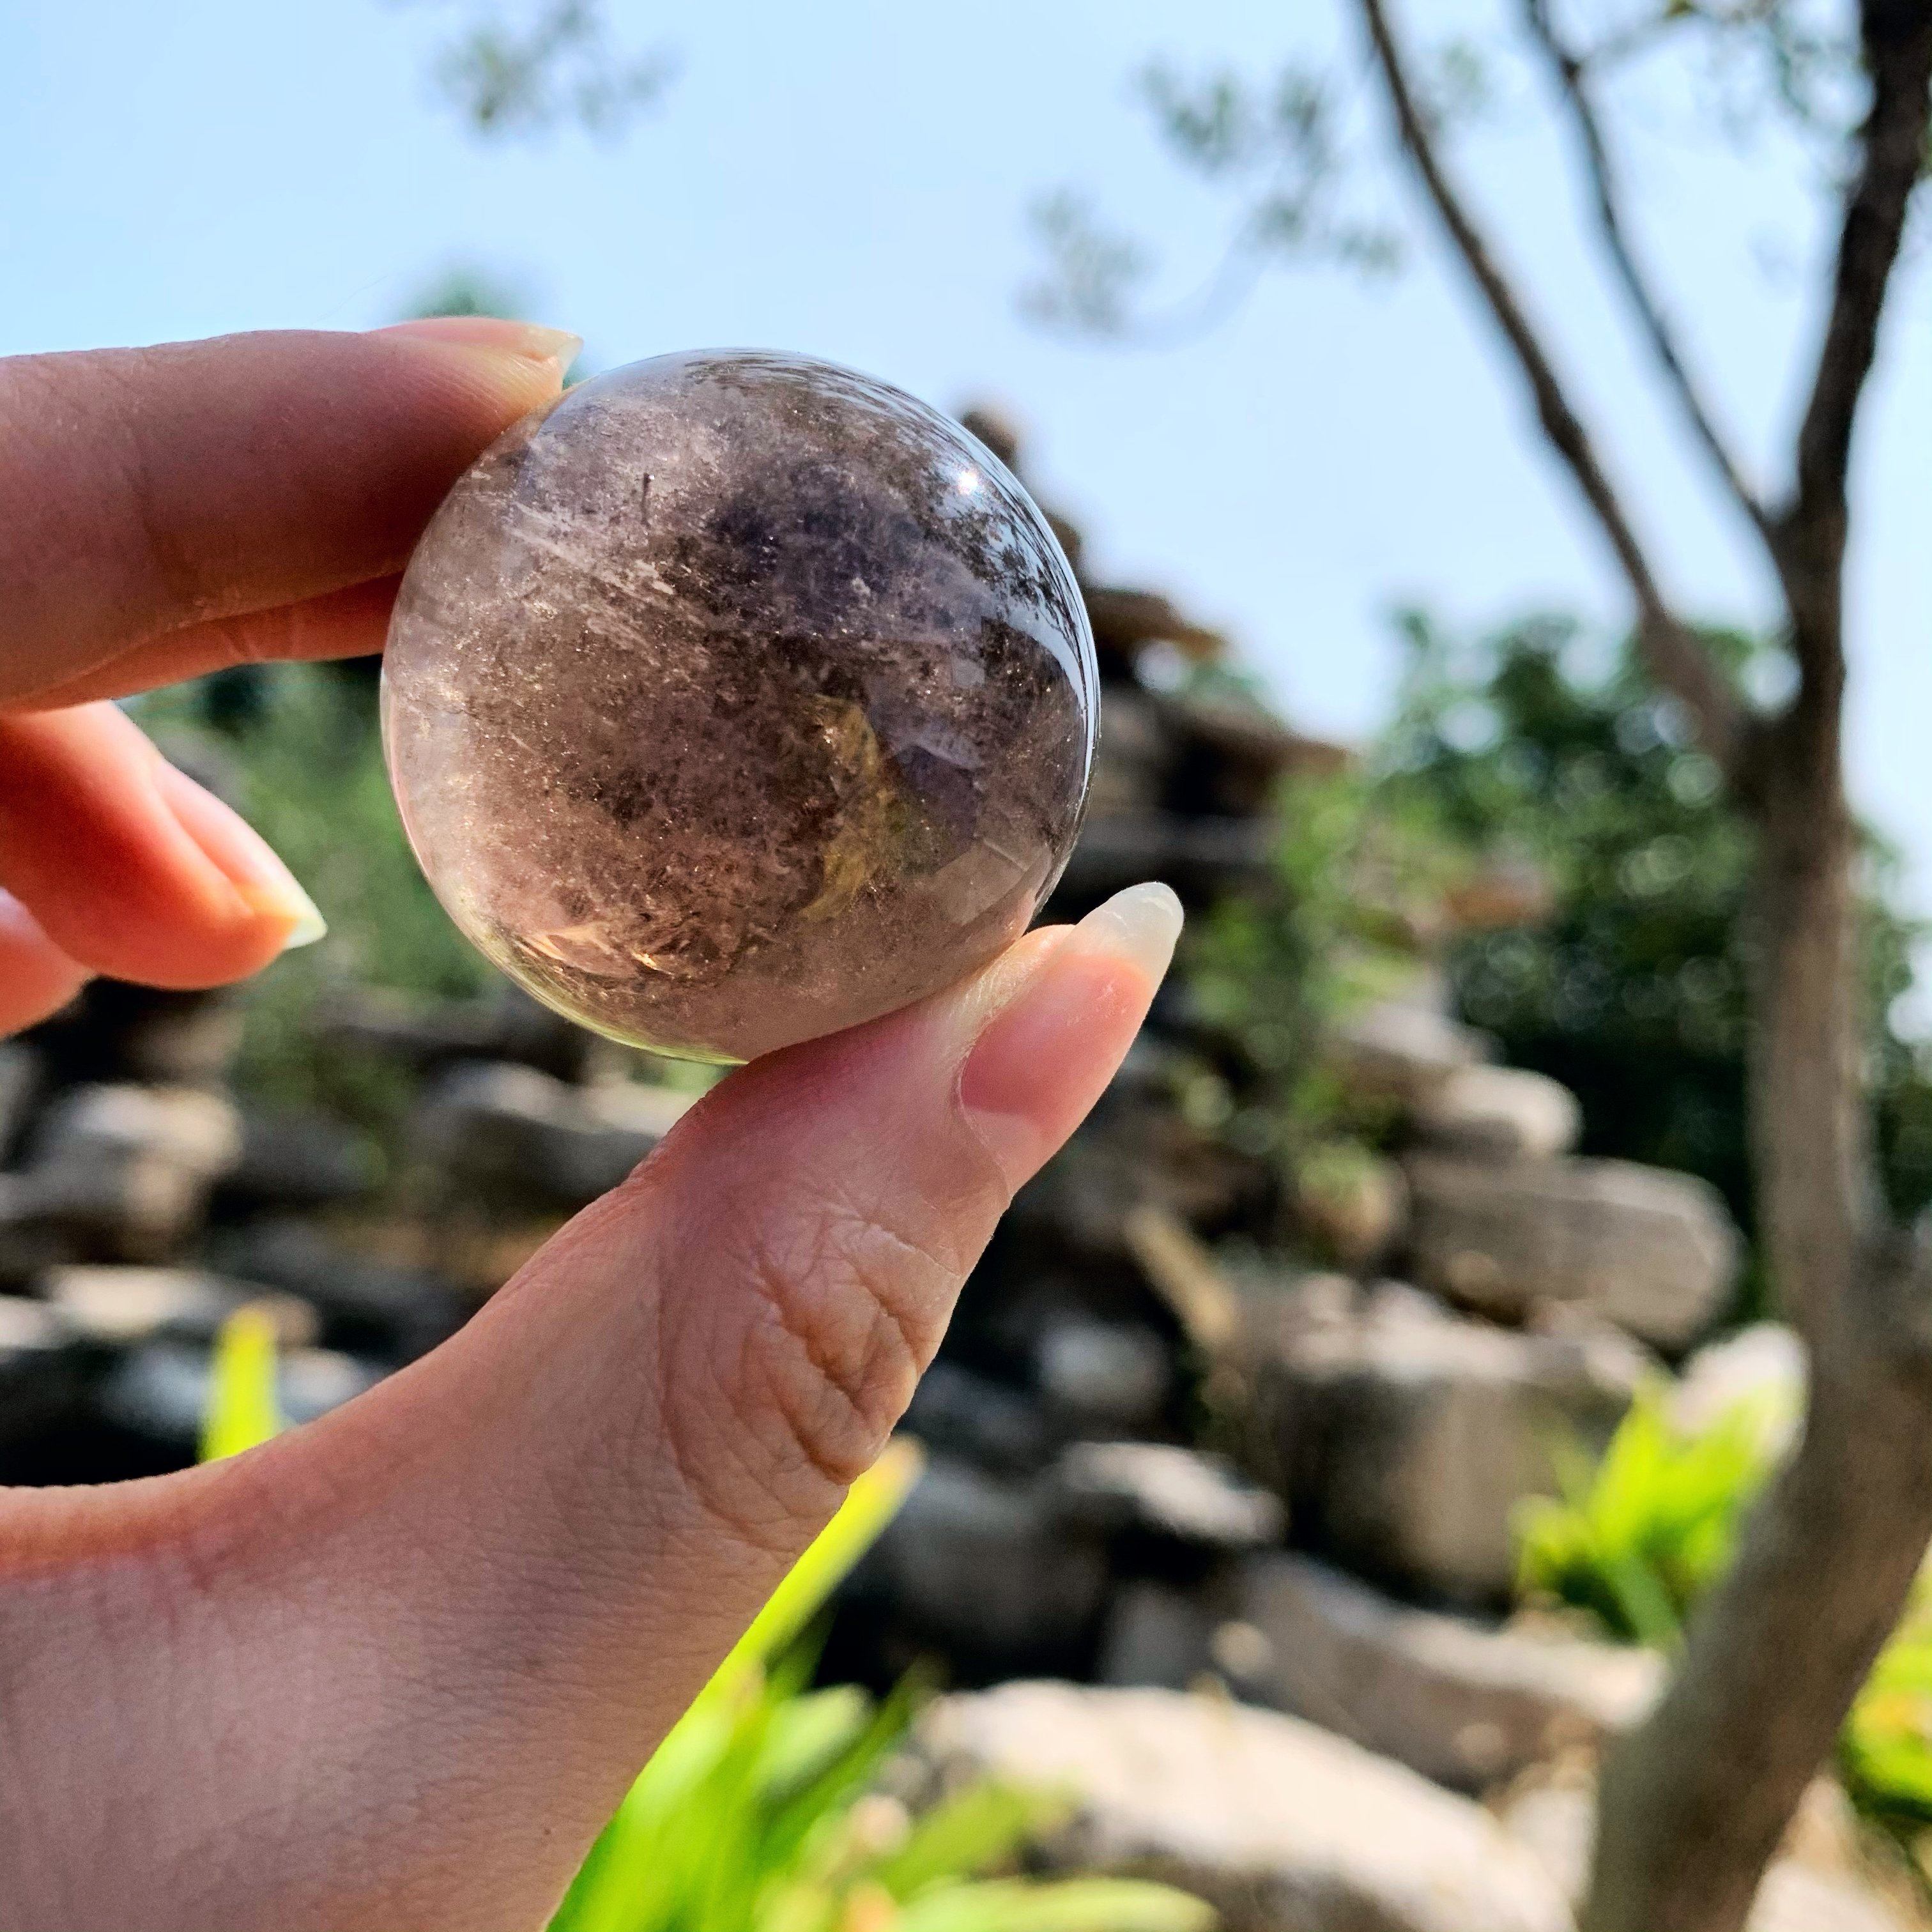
<point x="982" y="1826"/>
<point x="809" y="1734"/>
<point x="1076" y="1905"/>
<point x="872" y="1502"/>
<point x="1635" y="1539"/>
<point x="241" y="1410"/>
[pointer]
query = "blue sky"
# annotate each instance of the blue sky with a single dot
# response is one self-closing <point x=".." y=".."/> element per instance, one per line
<point x="852" y="178"/>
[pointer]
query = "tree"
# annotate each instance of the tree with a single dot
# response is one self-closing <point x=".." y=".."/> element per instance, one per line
<point x="1692" y="1804"/>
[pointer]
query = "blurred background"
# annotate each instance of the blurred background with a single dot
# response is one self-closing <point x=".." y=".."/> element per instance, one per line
<point x="1392" y="1358"/>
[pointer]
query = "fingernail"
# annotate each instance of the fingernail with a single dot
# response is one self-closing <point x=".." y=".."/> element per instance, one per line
<point x="1046" y="1052"/>
<point x="274" y="892"/>
<point x="307" y="924"/>
<point x="1140" y="925"/>
<point x="528" y="339"/>
<point x="265" y="886"/>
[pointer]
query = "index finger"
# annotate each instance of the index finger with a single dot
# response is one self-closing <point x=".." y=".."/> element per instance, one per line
<point x="179" y="501"/>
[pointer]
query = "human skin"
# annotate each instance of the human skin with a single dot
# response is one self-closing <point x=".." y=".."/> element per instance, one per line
<point x="393" y="1669"/>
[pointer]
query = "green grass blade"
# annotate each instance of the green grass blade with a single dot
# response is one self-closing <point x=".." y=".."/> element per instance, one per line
<point x="242" y="1409"/>
<point x="871" y="1503"/>
<point x="695" y="1824"/>
<point x="1076" y="1905"/>
<point x="983" y="1825"/>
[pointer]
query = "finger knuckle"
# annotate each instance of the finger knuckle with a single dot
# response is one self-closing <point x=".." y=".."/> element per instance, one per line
<point x="846" y="1311"/>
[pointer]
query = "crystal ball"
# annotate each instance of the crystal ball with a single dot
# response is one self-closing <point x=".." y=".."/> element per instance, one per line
<point x="737" y="698"/>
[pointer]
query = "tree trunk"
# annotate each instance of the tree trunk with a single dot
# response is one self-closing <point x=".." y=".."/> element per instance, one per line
<point x="1693" y="1804"/>
<point x="1813" y="1161"/>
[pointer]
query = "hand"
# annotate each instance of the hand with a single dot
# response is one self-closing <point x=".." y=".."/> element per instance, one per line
<point x="393" y="1670"/>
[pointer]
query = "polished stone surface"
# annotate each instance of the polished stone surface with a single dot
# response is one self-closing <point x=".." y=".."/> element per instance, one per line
<point x="737" y="698"/>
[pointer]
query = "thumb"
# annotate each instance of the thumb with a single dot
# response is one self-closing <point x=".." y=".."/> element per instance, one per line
<point x="502" y="1574"/>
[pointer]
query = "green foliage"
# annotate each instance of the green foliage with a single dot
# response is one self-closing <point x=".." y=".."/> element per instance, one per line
<point x="310" y="778"/>
<point x="561" y="66"/>
<point x="870" y="1505"/>
<point x="242" y="1409"/>
<point x="469" y="291"/>
<point x="1543" y="742"/>
<point x="1634" y="1541"/>
<point x="716" y="1829"/>
<point x="1281" y="154"/>
<point x="1884" y="1756"/>
<point x="1539" y="750"/>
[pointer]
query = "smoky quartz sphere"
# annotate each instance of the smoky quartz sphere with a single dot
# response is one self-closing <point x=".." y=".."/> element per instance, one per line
<point x="736" y="698"/>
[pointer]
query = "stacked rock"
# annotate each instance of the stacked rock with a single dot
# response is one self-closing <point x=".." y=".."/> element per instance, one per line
<point x="143" y="1199"/>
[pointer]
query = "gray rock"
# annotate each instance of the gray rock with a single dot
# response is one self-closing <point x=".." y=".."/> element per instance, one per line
<point x="1157" y="1491"/>
<point x="1135" y="1152"/>
<point x="366" y="1307"/>
<point x="1653" y="1252"/>
<point x="1403" y="1435"/>
<point x="1156" y="1635"/>
<point x="1281" y="1826"/>
<point x="116" y="1031"/>
<point x="960" y="1413"/>
<point x="124" y="1173"/>
<point x="986" y="1569"/>
<point x="1500" y="1113"/>
<point x="121" y="1306"/>
<point x="20" y="1077"/>
<point x="1183" y="1272"/>
<point x="1464" y="1704"/>
<point x="1557" y="1823"/>
<point x="198" y="1130"/>
<point x="298" y="1157"/>
<point x="526" y="1135"/>
<point x="1107" y="1375"/>
<point x="426" y="1034"/>
<point x="1402" y="1052"/>
<point x="1794" y="1898"/>
<point x="43" y="1374"/>
<point x="29" y="1241"/>
<point x="30" y="1330"/>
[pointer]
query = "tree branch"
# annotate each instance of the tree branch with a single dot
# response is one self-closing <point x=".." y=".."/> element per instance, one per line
<point x="1671" y="651"/>
<point x="1570" y="74"/>
<point x="1896" y="36"/>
